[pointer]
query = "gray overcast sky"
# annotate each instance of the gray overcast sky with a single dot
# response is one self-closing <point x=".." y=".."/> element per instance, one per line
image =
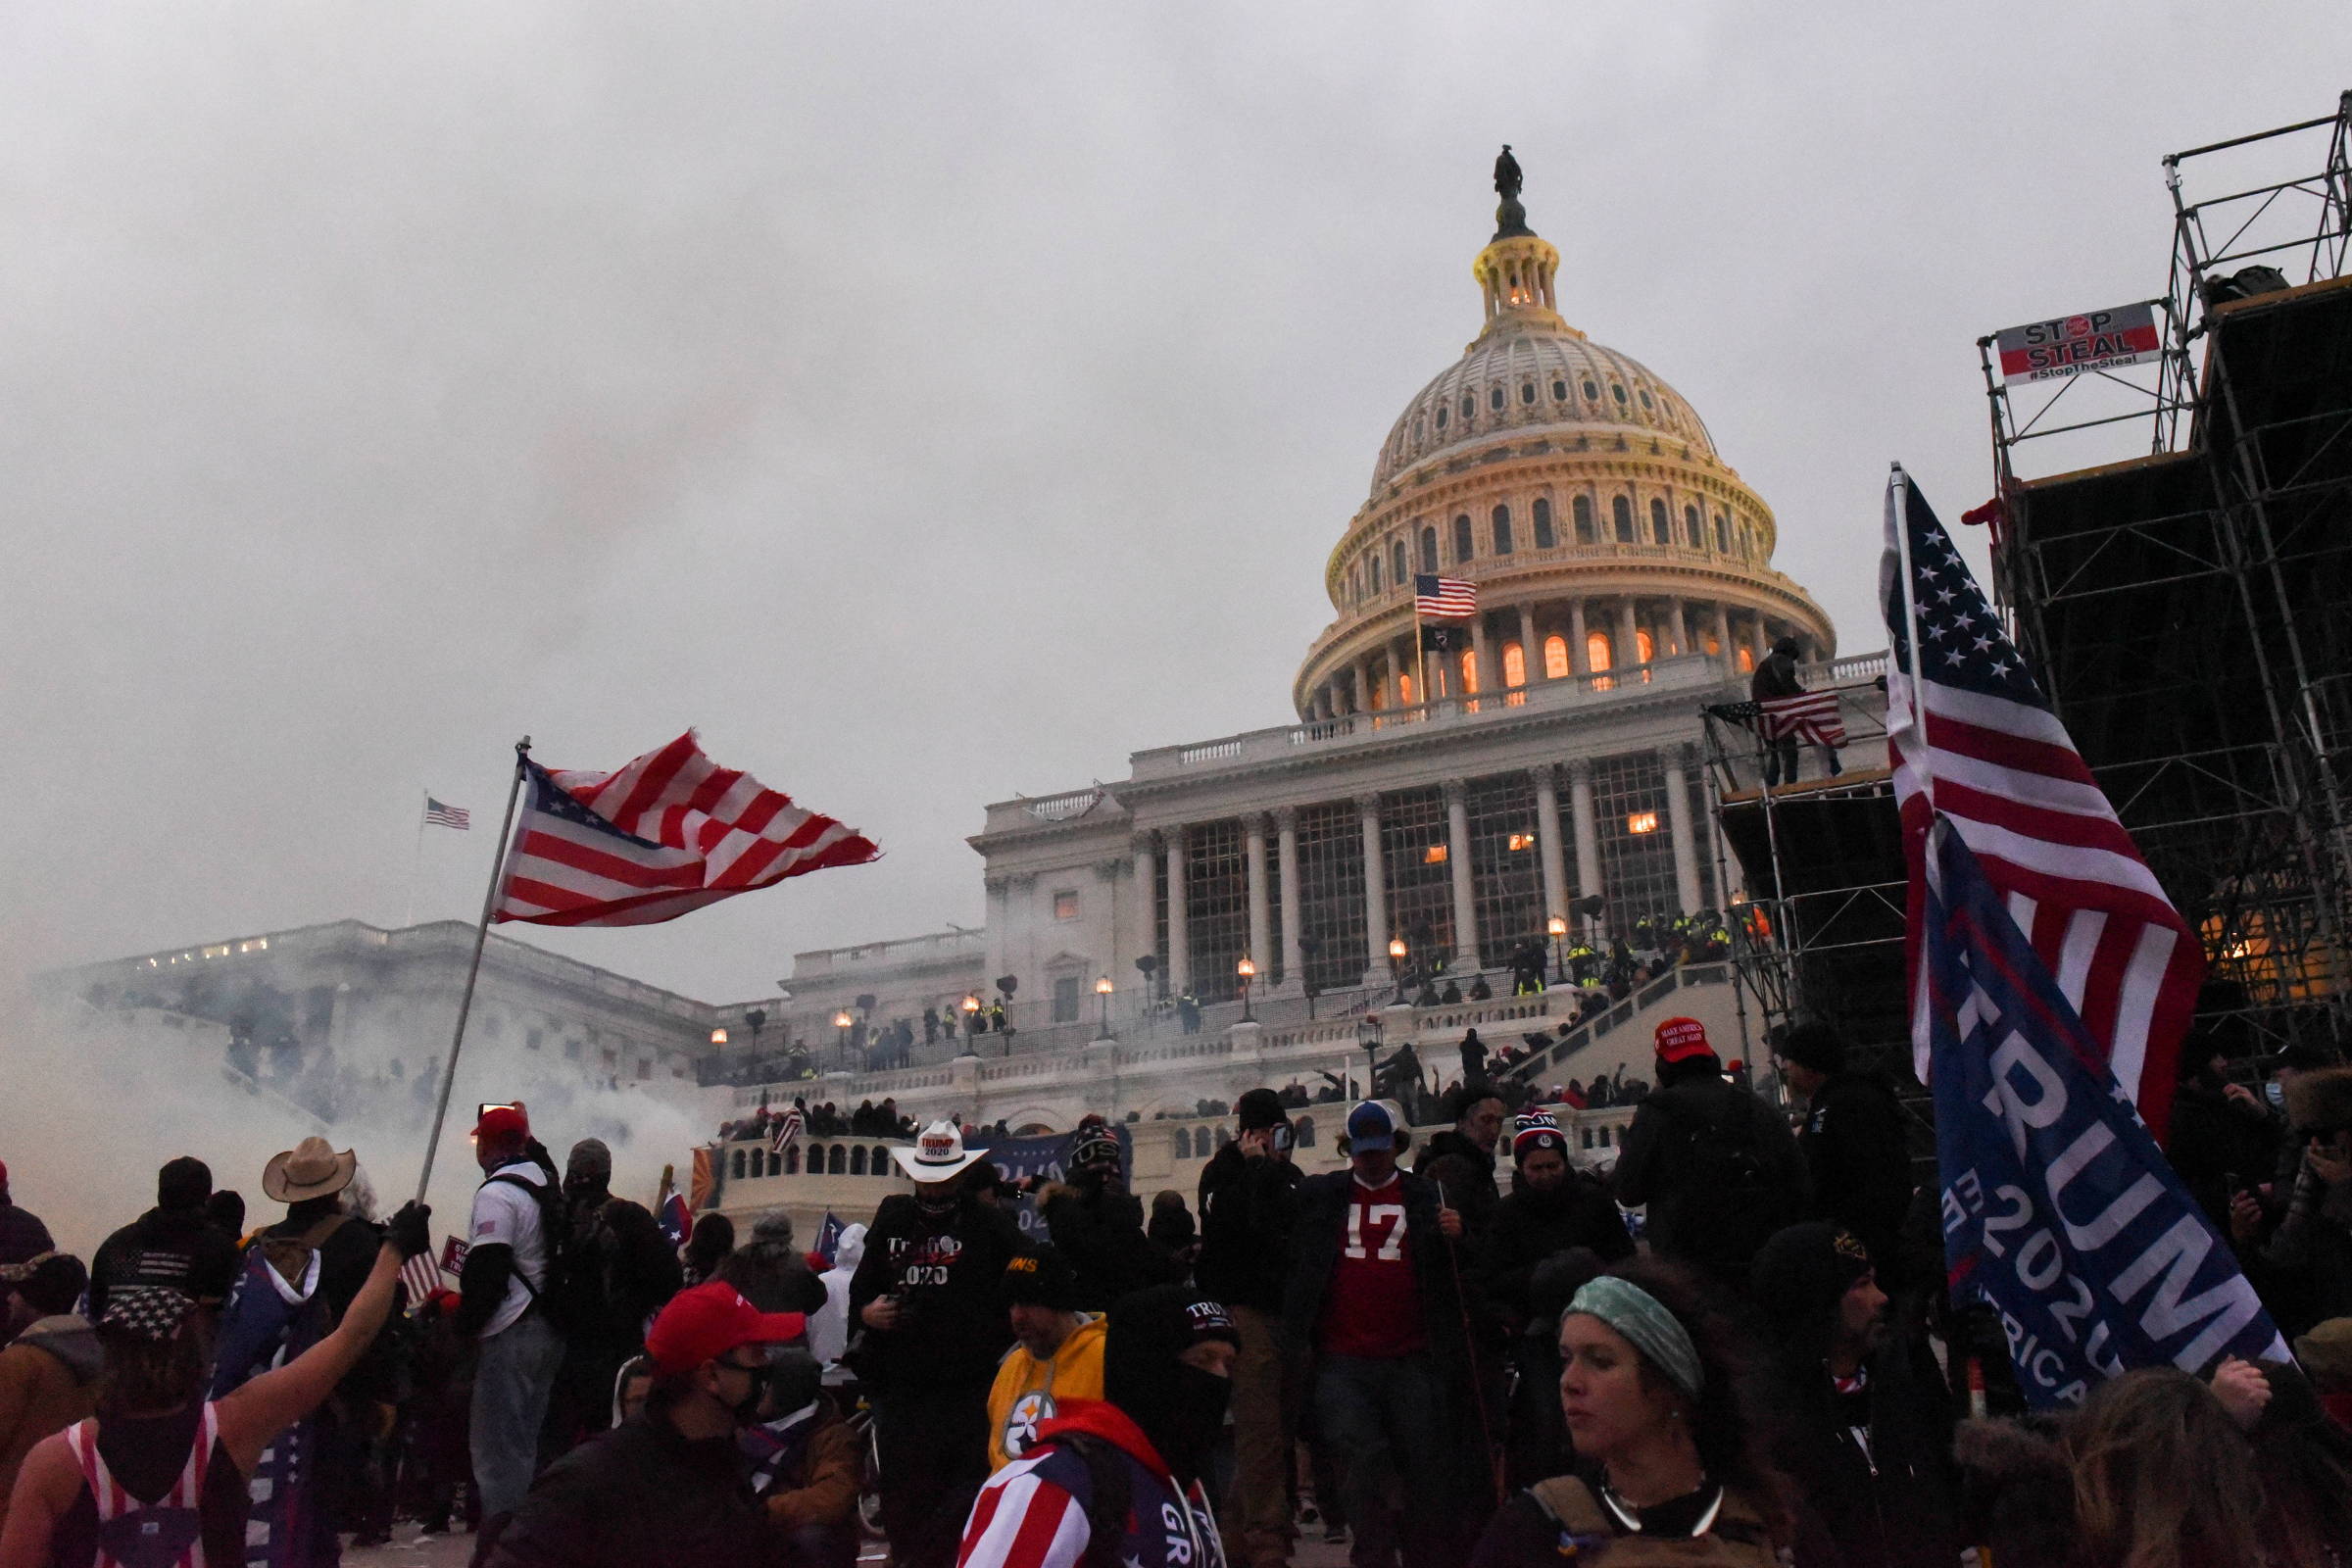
<point x="928" y="403"/>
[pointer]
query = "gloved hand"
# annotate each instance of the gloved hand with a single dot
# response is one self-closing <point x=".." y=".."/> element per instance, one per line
<point x="410" y="1230"/>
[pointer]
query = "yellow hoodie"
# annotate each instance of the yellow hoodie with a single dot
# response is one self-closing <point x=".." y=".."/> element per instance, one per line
<point x="1028" y="1391"/>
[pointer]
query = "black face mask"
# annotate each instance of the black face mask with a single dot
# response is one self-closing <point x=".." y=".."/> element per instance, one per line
<point x="747" y="1409"/>
<point x="1188" y="1416"/>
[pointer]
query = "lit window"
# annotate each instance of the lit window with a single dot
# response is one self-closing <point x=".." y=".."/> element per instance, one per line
<point x="1461" y="537"/>
<point x="1470" y="671"/>
<point x="1435" y="855"/>
<point x="1748" y="658"/>
<point x="1555" y="658"/>
<point x="1620" y="512"/>
<point x="1514" y="664"/>
<point x="1660" y="529"/>
<point x="1521" y="841"/>
<point x="1503" y="531"/>
<point x="1543" y="535"/>
<point x="1065" y="906"/>
<point x="1404" y="691"/>
<point x="218" y="949"/>
<point x="1581" y="510"/>
<point x="1596" y="650"/>
<point x="1642" y="822"/>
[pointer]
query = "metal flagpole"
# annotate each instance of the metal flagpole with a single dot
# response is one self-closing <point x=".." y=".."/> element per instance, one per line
<point x="1898" y="507"/>
<point x="481" y="934"/>
<point x="415" y="861"/>
<point x="1421" y="658"/>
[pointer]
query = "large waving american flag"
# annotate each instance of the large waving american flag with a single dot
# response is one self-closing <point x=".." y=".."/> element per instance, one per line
<point x="1444" y="598"/>
<point x="670" y="832"/>
<point x="1973" y="739"/>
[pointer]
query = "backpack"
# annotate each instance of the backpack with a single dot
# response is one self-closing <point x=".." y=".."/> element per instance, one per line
<point x="571" y="1295"/>
<point x="1740" y="1538"/>
<point x="1731" y="1204"/>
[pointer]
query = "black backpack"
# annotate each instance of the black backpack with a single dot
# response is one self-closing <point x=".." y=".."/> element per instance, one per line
<point x="1731" y="1202"/>
<point x="571" y="1295"/>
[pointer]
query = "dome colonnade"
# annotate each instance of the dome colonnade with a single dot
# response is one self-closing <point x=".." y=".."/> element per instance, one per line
<point x="1579" y="491"/>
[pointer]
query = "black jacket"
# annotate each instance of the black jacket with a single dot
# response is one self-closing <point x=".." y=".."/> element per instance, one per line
<point x="2215" y="1137"/>
<point x="1247" y="1207"/>
<point x="947" y="1273"/>
<point x="640" y="1497"/>
<point x="1530" y="1226"/>
<point x="173" y="1247"/>
<point x="1102" y="1234"/>
<point x="1889" y="1505"/>
<point x="1315" y="1242"/>
<point x="1466" y="1173"/>
<point x="1716" y="1166"/>
<point x="1858" y="1157"/>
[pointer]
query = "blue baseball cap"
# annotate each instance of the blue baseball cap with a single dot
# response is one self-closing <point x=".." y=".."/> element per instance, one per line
<point x="1369" y="1127"/>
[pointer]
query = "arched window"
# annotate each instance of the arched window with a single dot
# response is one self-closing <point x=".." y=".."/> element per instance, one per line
<point x="1184" y="1143"/>
<point x="1469" y="408"/>
<point x="1697" y="539"/>
<point x="791" y="1160"/>
<point x="1494" y="399"/>
<point x="1661" y="530"/>
<point x="1429" y="549"/>
<point x="1581" y="510"/>
<point x="1559" y="390"/>
<point x="1398" y="568"/>
<point x="1643" y="646"/>
<point x="1514" y="664"/>
<point x="857" y="1160"/>
<point x="1620" y="393"/>
<point x="837" y="1161"/>
<point x="1596" y="650"/>
<point x="1723" y="534"/>
<point x="1302" y="1132"/>
<point x="1461" y="537"/>
<point x="738" y="1164"/>
<point x="1747" y="656"/>
<point x="1375" y="573"/>
<point x="1443" y="415"/>
<point x="1470" y="671"/>
<point x="1555" y="658"/>
<point x="1526" y="391"/>
<point x="880" y="1163"/>
<point x="1543" y="534"/>
<point x="1620" y="512"/>
<point x="1406" y="693"/>
<point x="1503" y="531"/>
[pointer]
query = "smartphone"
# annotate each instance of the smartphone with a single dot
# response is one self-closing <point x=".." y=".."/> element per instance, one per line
<point x="485" y="1107"/>
<point x="1282" y="1137"/>
<point x="2276" y="1092"/>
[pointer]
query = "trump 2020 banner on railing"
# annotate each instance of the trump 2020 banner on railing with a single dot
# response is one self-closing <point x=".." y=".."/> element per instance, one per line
<point x="2058" y="1207"/>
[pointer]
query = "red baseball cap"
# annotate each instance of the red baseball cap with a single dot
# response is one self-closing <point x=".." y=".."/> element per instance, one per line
<point x="503" y="1123"/>
<point x="707" y="1321"/>
<point x="1680" y="1038"/>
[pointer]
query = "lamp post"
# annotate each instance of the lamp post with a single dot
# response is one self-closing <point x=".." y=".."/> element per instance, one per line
<point x="718" y="1037"/>
<point x="1248" y="972"/>
<point x="842" y="1021"/>
<point x="1558" y="929"/>
<point x="1367" y="1035"/>
<point x="1396" y="952"/>
<point x="1103" y="990"/>
<point x="971" y="1012"/>
<point x="755" y="1021"/>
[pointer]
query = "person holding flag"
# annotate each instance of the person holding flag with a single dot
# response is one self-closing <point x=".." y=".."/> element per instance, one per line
<point x="2051" y="983"/>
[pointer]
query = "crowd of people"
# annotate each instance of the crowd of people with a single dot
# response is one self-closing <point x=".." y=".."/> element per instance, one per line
<point x="1450" y="1355"/>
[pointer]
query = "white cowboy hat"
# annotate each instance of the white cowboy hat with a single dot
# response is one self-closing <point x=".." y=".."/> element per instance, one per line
<point x="938" y="1155"/>
<point x="310" y="1169"/>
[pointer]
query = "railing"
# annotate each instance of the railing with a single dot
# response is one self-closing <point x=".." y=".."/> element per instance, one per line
<point x="1622" y="1013"/>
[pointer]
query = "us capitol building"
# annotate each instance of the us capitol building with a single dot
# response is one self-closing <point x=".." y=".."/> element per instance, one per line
<point x="1421" y="810"/>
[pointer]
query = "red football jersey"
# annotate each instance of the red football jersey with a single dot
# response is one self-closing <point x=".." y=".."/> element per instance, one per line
<point x="1373" y="1308"/>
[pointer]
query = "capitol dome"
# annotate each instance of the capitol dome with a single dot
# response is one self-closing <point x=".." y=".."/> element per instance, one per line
<point x="1580" y="493"/>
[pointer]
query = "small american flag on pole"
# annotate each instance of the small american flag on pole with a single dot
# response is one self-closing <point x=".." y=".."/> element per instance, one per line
<point x="1973" y="740"/>
<point x="422" y="1277"/>
<point x="787" y="1128"/>
<point x="1444" y="598"/>
<point x="437" y="814"/>
<point x="1808" y="716"/>
<point x="670" y="832"/>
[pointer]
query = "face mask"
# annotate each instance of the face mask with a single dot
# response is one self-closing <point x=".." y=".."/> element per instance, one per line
<point x="934" y="1207"/>
<point x="747" y="1409"/>
<point x="1191" y="1416"/>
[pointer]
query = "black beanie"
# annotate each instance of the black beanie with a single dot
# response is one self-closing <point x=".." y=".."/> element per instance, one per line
<point x="1260" y="1107"/>
<point x="1043" y="1278"/>
<point x="795" y="1379"/>
<point x="1180" y="1409"/>
<point x="1815" y="1045"/>
<point x="183" y="1183"/>
<point x="1795" y="1283"/>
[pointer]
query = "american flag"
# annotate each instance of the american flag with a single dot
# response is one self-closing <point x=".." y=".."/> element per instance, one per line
<point x="670" y="832"/>
<point x="422" y="1276"/>
<point x="787" y="1127"/>
<point x="1973" y="740"/>
<point x="1809" y="716"/>
<point x="1444" y="598"/>
<point x="437" y="814"/>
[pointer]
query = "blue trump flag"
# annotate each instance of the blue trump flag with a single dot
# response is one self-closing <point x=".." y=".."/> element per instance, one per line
<point x="1045" y="1159"/>
<point x="2058" y="1207"/>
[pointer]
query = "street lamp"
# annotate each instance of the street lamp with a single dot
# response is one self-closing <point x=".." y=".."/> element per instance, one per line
<point x="1558" y="929"/>
<point x="1248" y="972"/>
<point x="971" y="1012"/>
<point x="718" y="1037"/>
<point x="1103" y="990"/>
<point x="1396" y="951"/>
<point x="842" y="1021"/>
<point x="1368" y="1034"/>
<point x="754" y="1019"/>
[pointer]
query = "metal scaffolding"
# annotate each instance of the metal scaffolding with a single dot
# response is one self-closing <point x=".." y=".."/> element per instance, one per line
<point x="2186" y="608"/>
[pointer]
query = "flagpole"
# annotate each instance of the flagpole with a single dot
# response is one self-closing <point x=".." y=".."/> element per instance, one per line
<point x="1420" y="659"/>
<point x="1899" y="503"/>
<point x="481" y="934"/>
<point x="409" y="918"/>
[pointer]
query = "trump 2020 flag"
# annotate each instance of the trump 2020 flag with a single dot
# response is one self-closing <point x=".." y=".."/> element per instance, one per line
<point x="2058" y="1207"/>
<point x="669" y="832"/>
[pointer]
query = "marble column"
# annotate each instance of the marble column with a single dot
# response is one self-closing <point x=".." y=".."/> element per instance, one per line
<point x="1759" y="639"/>
<point x="1628" y="641"/>
<point x="1146" y="915"/>
<point x="1376" y="892"/>
<point x="1531" y="652"/>
<point x="1482" y="650"/>
<point x="1678" y="826"/>
<point x="1262" y="908"/>
<point x="1366" y="683"/>
<point x="1677" y="625"/>
<point x="1548" y="839"/>
<point x="1588" y="834"/>
<point x="1723" y="635"/>
<point x="1580" y="656"/>
<point x="1465" y="891"/>
<point x="1286" y="867"/>
<point x="1180" y="936"/>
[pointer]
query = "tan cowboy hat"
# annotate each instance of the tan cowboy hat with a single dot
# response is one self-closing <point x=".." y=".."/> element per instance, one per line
<point x="310" y="1169"/>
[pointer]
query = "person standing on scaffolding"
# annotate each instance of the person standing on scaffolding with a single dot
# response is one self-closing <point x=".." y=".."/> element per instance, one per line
<point x="1775" y="678"/>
